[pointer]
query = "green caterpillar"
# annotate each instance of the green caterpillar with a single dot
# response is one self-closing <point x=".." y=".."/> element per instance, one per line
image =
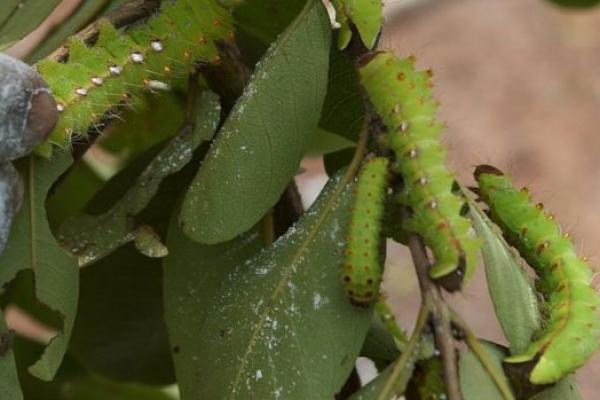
<point x="367" y="15"/>
<point x="401" y="95"/>
<point x="362" y="269"/>
<point x="572" y="331"/>
<point x="119" y="67"/>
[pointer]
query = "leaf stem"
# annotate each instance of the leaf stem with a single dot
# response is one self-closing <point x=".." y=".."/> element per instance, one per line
<point x="403" y="368"/>
<point x="482" y="356"/>
<point x="440" y="315"/>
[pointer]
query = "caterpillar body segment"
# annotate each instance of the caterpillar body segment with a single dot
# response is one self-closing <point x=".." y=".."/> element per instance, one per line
<point x="362" y="269"/>
<point x="571" y="332"/>
<point x="121" y="66"/>
<point x="401" y="96"/>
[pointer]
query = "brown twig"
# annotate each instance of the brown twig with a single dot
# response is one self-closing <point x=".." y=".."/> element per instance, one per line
<point x="440" y="315"/>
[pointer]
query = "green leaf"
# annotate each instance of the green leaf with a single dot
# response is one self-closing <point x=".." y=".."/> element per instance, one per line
<point x="153" y="121"/>
<point x="387" y="383"/>
<point x="576" y="3"/>
<point x="512" y="295"/>
<point x="192" y="275"/>
<point x="338" y="160"/>
<point x="32" y="246"/>
<point x="68" y="198"/>
<point x="93" y="388"/>
<point x="10" y="389"/>
<point x="379" y="344"/>
<point x="91" y="237"/>
<point x="87" y="12"/>
<point x="258" y="22"/>
<point x="280" y="325"/>
<point x="475" y="382"/>
<point x="260" y="146"/>
<point x="74" y="383"/>
<point x="119" y="332"/>
<point x="19" y="17"/>
<point x="343" y="111"/>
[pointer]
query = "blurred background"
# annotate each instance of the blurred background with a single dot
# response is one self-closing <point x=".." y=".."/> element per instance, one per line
<point x="519" y="86"/>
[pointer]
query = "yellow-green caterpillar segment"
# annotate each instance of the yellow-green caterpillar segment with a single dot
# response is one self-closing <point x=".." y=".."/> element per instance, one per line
<point x="401" y="95"/>
<point x="572" y="330"/>
<point x="366" y="15"/>
<point x="362" y="268"/>
<point x="121" y="66"/>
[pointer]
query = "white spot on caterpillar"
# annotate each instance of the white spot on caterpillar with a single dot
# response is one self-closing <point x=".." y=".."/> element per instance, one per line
<point x="157" y="45"/>
<point x="115" y="69"/>
<point x="404" y="126"/>
<point x="412" y="153"/>
<point x="96" y="80"/>
<point x="60" y="107"/>
<point x="396" y="109"/>
<point x="157" y="85"/>
<point x="81" y="91"/>
<point x="137" y="57"/>
<point x="423" y="181"/>
<point x="433" y="204"/>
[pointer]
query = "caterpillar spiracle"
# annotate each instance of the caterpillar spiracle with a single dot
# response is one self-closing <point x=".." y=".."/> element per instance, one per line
<point x="362" y="268"/>
<point x="401" y="96"/>
<point x="121" y="66"/>
<point x="572" y="330"/>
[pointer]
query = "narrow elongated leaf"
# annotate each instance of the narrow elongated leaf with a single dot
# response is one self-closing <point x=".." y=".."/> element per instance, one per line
<point x="192" y="275"/>
<point x="91" y="237"/>
<point x="281" y="326"/>
<point x="259" y="148"/>
<point x="10" y="389"/>
<point x="475" y="383"/>
<point x="512" y="295"/>
<point x="258" y="22"/>
<point x="32" y="246"/>
<point x="19" y="17"/>
<point x="343" y="110"/>
<point x="119" y="332"/>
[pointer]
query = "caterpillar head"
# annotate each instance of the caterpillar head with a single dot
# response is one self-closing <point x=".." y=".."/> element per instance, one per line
<point x="28" y="111"/>
<point x="486" y="169"/>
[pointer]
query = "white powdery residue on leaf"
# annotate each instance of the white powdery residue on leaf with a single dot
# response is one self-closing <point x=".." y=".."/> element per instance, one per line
<point x="319" y="301"/>
<point x="258" y="375"/>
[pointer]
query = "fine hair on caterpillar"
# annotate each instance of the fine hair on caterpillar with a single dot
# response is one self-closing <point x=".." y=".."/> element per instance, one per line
<point x="401" y="96"/>
<point x="571" y="330"/>
<point x="118" y="68"/>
